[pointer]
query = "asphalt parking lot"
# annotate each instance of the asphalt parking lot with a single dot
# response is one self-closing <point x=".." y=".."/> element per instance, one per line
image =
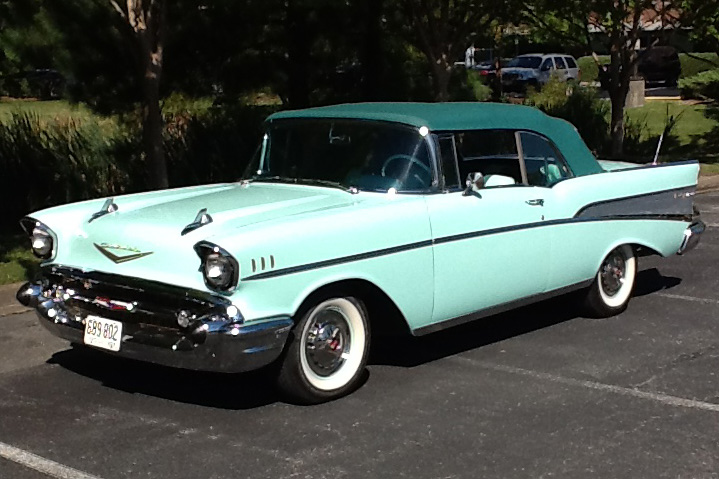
<point x="538" y="392"/>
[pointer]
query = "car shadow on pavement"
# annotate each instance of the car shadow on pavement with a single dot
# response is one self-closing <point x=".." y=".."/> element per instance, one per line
<point x="651" y="280"/>
<point x="218" y="390"/>
<point x="255" y="389"/>
<point x="410" y="351"/>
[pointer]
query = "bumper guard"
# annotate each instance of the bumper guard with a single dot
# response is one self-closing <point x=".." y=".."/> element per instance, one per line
<point x="691" y="236"/>
<point x="162" y="324"/>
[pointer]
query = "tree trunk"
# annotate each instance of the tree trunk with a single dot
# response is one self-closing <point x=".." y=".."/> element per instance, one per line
<point x="147" y="19"/>
<point x="618" y="89"/>
<point x="372" y="54"/>
<point x="152" y="122"/>
<point x="298" y="55"/>
<point x="617" y="122"/>
<point x="442" y="72"/>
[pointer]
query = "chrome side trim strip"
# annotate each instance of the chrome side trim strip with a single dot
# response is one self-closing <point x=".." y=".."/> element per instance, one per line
<point x="650" y="166"/>
<point x="431" y="328"/>
<point x="450" y="239"/>
<point x="337" y="261"/>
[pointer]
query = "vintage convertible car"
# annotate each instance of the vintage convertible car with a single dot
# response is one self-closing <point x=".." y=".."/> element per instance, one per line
<point x="348" y="218"/>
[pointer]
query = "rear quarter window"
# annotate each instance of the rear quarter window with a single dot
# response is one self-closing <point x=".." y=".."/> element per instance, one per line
<point x="570" y="62"/>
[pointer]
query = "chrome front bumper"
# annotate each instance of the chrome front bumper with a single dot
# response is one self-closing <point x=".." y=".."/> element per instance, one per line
<point x="164" y="324"/>
<point x="691" y="236"/>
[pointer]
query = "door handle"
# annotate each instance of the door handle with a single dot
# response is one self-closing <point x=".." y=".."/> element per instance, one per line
<point x="537" y="202"/>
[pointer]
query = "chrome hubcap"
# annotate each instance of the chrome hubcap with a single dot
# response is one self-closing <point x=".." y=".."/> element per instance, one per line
<point x="327" y="342"/>
<point x="613" y="272"/>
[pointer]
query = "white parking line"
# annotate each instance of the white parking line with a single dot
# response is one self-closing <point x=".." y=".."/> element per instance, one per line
<point x="46" y="466"/>
<point x="610" y="388"/>
<point x="688" y="298"/>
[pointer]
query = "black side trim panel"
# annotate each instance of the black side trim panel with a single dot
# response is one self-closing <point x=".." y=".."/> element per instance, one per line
<point x="676" y="201"/>
<point x="499" y="309"/>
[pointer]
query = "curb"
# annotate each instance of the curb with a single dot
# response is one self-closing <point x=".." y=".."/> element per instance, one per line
<point x="708" y="183"/>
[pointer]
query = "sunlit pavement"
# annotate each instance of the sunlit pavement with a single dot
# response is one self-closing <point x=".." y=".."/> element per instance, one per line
<point x="538" y="392"/>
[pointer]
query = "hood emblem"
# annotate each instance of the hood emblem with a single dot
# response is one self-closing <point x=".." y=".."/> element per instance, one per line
<point x="133" y="253"/>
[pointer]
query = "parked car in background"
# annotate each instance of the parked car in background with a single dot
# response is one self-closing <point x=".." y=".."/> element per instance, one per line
<point x="660" y="64"/>
<point x="351" y="217"/>
<point x="656" y="65"/>
<point x="536" y="69"/>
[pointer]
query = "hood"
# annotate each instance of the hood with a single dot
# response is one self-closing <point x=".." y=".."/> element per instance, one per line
<point x="144" y="237"/>
<point x="229" y="206"/>
<point x="523" y="72"/>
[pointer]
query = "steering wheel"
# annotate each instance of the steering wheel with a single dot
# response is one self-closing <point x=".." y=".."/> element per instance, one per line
<point x="412" y="161"/>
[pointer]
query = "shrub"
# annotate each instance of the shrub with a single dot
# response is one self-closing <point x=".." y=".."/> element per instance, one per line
<point x="552" y="94"/>
<point x="480" y="90"/>
<point x="590" y="72"/>
<point x="581" y="107"/>
<point x="702" y="85"/>
<point x="697" y="63"/>
<point x="49" y="162"/>
<point x="214" y="146"/>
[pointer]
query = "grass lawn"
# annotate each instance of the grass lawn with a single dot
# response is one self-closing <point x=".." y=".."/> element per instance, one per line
<point x="17" y="263"/>
<point x="52" y="109"/>
<point x="691" y="119"/>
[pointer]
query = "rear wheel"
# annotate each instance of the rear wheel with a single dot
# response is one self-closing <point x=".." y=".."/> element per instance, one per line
<point x="328" y="352"/>
<point x="612" y="288"/>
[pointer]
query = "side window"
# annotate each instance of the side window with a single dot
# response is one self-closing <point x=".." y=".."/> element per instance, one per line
<point x="545" y="166"/>
<point x="570" y="62"/>
<point x="559" y="61"/>
<point x="490" y="152"/>
<point x="546" y="65"/>
<point x="449" y="162"/>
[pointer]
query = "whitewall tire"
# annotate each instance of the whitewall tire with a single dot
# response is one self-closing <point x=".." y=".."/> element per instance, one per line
<point x="613" y="285"/>
<point x="328" y="352"/>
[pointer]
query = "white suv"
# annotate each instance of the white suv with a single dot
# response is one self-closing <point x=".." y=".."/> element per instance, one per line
<point x="535" y="69"/>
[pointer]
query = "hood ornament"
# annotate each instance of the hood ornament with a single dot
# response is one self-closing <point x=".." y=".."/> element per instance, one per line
<point x="200" y="220"/>
<point x="106" y="248"/>
<point x="107" y="208"/>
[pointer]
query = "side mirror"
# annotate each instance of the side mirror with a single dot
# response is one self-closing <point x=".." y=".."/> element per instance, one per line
<point x="475" y="181"/>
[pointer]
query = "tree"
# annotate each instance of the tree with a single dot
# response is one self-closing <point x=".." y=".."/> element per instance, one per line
<point x="442" y="30"/>
<point x="703" y="16"/>
<point x="147" y="20"/>
<point x="618" y="24"/>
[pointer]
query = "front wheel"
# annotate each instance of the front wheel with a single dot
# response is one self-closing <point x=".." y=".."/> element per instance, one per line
<point x="328" y="352"/>
<point x="612" y="288"/>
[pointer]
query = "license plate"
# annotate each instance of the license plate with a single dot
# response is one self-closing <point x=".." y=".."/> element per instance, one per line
<point x="103" y="333"/>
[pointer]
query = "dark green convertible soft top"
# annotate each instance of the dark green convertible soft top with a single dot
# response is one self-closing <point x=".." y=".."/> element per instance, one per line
<point x="464" y="116"/>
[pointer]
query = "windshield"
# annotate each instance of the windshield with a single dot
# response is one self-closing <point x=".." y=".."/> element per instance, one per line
<point x="365" y="155"/>
<point x="525" y="62"/>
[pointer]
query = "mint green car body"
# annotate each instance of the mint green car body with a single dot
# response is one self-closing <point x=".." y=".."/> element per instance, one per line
<point x="441" y="256"/>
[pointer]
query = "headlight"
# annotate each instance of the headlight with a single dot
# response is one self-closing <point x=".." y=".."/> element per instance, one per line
<point x="41" y="243"/>
<point x="42" y="239"/>
<point x="219" y="269"/>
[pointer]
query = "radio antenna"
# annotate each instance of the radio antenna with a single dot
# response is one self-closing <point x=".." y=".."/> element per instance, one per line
<point x="659" y="147"/>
